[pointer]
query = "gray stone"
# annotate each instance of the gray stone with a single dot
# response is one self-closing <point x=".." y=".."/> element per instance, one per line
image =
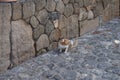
<point x="80" y="2"/>
<point x="22" y="42"/>
<point x="34" y="22"/>
<point x="90" y="15"/>
<point x="68" y="11"/>
<point x="60" y="6"/>
<point x="98" y="9"/>
<point x="62" y="22"/>
<point x="87" y="2"/>
<point x="43" y="16"/>
<point x="86" y="27"/>
<point x="50" y="5"/>
<point x="69" y="75"/>
<point x="41" y="51"/>
<point x="72" y="26"/>
<point x="64" y="33"/>
<point x="65" y="1"/>
<point x="114" y="69"/>
<point x="24" y="75"/>
<point x="53" y="46"/>
<point x="71" y="1"/>
<point x="55" y="35"/>
<point x="17" y="11"/>
<point x="82" y="14"/>
<point x="42" y="42"/>
<point x="104" y="65"/>
<point x="5" y="27"/>
<point x="38" y="31"/>
<point x="49" y="27"/>
<point x="28" y="9"/>
<point x="76" y="8"/>
<point x="102" y="59"/>
<point x="40" y="4"/>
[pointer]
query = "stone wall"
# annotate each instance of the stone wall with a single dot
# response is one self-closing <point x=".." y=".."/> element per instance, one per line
<point x="31" y="27"/>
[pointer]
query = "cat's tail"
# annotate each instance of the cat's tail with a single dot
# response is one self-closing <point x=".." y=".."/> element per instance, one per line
<point x="74" y="43"/>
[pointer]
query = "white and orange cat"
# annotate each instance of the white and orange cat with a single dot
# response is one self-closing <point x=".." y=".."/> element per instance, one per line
<point x="66" y="44"/>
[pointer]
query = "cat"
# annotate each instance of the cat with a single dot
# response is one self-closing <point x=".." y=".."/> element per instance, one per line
<point x="66" y="44"/>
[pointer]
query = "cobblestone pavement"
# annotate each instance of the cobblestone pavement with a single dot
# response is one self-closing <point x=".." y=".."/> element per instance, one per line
<point x="96" y="57"/>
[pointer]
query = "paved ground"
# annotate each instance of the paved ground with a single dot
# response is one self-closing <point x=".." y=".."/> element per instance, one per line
<point x="97" y="57"/>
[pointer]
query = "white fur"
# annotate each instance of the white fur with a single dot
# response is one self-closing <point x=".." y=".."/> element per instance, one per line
<point x="65" y="47"/>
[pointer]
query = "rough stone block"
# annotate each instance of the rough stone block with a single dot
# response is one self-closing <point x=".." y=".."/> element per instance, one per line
<point x="22" y="42"/>
<point x="88" y="25"/>
<point x="5" y="27"/>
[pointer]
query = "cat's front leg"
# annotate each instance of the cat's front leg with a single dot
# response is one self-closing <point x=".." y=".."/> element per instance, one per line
<point x="66" y="50"/>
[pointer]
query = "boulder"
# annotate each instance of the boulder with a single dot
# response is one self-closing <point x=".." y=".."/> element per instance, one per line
<point x="49" y="27"/>
<point x="76" y="8"/>
<point x="43" y="16"/>
<point x="71" y="1"/>
<point x="17" y="11"/>
<point x="88" y="25"/>
<point x="55" y="35"/>
<point x="64" y="33"/>
<point x="82" y="14"/>
<point x="22" y="42"/>
<point x="28" y="9"/>
<point x="34" y="22"/>
<point x="50" y="5"/>
<point x="5" y="28"/>
<point x="65" y="1"/>
<point x="38" y="31"/>
<point x="60" y="6"/>
<point x="61" y="22"/>
<point x="53" y="46"/>
<point x="87" y="2"/>
<point x="40" y="4"/>
<point x="72" y="26"/>
<point x="42" y="42"/>
<point x="68" y="11"/>
<point x="80" y="2"/>
<point x="98" y="8"/>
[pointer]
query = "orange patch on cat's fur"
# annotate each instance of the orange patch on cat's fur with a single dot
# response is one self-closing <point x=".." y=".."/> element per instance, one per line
<point x="65" y="42"/>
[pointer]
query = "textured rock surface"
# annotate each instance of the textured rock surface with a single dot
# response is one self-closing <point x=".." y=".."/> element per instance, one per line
<point x="22" y="42"/>
<point x="76" y="8"/>
<point x="53" y="46"/>
<point x="38" y="31"/>
<point x="54" y="35"/>
<point x="5" y="27"/>
<point x="50" y="5"/>
<point x="56" y="19"/>
<point x="43" y="16"/>
<point x="88" y="25"/>
<point x="68" y="10"/>
<point x="40" y="4"/>
<point x="62" y="22"/>
<point x="60" y="6"/>
<point x="65" y="1"/>
<point x="49" y="27"/>
<point x="34" y="22"/>
<point x="72" y="26"/>
<point x="92" y="59"/>
<point x="82" y="14"/>
<point x="17" y="11"/>
<point x="28" y="9"/>
<point x="42" y="42"/>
